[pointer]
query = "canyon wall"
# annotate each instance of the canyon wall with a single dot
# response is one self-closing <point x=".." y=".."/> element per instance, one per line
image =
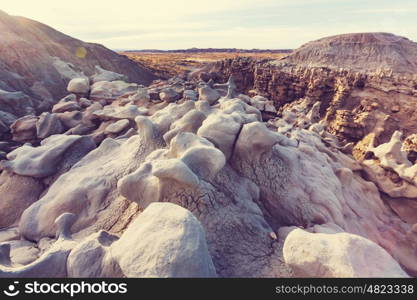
<point x="354" y="103"/>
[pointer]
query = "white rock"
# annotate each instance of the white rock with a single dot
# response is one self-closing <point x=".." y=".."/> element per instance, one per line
<point x="222" y="130"/>
<point x="78" y="86"/>
<point x="208" y="94"/>
<point x="337" y="255"/>
<point x="140" y="98"/>
<point x="165" y="240"/>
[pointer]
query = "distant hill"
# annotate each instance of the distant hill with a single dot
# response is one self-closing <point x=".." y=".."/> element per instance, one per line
<point x="214" y="50"/>
<point x="358" y="51"/>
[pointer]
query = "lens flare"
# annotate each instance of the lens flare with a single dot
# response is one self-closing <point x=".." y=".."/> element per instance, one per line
<point x="81" y="52"/>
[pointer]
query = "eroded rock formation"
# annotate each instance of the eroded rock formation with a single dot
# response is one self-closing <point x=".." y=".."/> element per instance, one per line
<point x="195" y="179"/>
<point x="359" y="94"/>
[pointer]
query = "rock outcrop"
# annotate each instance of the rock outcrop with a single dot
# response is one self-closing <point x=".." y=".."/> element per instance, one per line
<point x="359" y="94"/>
<point x="239" y="176"/>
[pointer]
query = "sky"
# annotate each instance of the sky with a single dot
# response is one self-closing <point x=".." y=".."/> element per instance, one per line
<point x="181" y="24"/>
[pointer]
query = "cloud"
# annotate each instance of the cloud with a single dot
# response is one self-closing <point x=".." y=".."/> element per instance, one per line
<point x="396" y="10"/>
<point x="215" y="23"/>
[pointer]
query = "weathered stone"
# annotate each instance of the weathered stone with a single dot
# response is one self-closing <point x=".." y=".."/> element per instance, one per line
<point x="208" y="94"/>
<point x="117" y="127"/>
<point x="24" y="129"/>
<point x="337" y="255"/>
<point x="190" y="95"/>
<point x="79" y="86"/>
<point x="165" y="240"/>
<point x="169" y="95"/>
<point x="48" y="124"/>
<point x="65" y="106"/>
<point x="110" y="91"/>
<point x="105" y="75"/>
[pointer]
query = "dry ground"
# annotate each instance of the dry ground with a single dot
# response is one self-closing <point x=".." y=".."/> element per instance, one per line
<point x="167" y="65"/>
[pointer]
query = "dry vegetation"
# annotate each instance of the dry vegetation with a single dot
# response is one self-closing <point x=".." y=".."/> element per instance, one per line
<point x="167" y="65"/>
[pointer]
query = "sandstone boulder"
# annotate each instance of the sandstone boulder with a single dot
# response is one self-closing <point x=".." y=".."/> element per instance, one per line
<point x="208" y="94"/>
<point x="117" y="127"/>
<point x="92" y="257"/>
<point x="165" y="240"/>
<point x="110" y="91"/>
<point x="64" y="106"/>
<point x="24" y="129"/>
<point x="79" y="86"/>
<point x="390" y="168"/>
<point x="89" y="190"/>
<point x="44" y="161"/>
<point x="140" y="98"/>
<point x="337" y="255"/>
<point x="129" y="112"/>
<point x="47" y="125"/>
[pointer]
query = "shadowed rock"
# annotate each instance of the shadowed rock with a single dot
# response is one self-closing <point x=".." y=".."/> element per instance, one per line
<point x="64" y="223"/>
<point x="5" y="255"/>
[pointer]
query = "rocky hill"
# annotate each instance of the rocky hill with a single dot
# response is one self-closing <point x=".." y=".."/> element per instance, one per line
<point x="369" y="52"/>
<point x="39" y="61"/>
